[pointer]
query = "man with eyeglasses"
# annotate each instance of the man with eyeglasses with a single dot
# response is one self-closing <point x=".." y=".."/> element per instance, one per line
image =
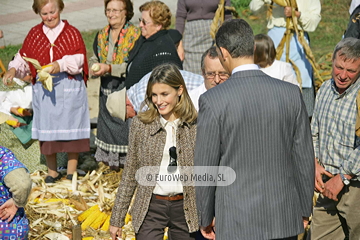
<point x="213" y="73"/>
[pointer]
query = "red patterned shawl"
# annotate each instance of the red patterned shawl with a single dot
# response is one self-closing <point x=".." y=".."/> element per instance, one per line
<point x="69" y="42"/>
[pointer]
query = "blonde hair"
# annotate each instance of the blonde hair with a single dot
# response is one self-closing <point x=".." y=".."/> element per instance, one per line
<point x="159" y="13"/>
<point x="170" y="75"/>
<point x="39" y="4"/>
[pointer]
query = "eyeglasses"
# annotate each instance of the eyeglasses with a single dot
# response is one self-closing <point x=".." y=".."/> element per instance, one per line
<point x="222" y="75"/>
<point x="115" y="11"/>
<point x="173" y="157"/>
<point x="143" y="21"/>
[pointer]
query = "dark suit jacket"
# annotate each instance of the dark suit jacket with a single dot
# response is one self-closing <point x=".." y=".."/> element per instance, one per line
<point x="258" y="126"/>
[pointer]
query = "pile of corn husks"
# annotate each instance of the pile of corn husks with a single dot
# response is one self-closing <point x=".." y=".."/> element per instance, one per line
<point x="55" y="209"/>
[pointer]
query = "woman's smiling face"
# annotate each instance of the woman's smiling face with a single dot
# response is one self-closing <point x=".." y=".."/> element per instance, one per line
<point x="165" y="99"/>
<point x="50" y="14"/>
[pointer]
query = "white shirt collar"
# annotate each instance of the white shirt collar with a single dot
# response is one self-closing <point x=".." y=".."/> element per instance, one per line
<point x="164" y="122"/>
<point x="56" y="29"/>
<point x="245" y="67"/>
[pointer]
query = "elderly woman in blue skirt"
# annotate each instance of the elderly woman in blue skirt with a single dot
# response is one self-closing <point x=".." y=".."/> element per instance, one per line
<point x="15" y="186"/>
<point x="61" y="117"/>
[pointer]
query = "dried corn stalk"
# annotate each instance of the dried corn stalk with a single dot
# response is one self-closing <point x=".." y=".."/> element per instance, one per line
<point x="219" y="17"/>
<point x="291" y="27"/>
<point x="53" y="209"/>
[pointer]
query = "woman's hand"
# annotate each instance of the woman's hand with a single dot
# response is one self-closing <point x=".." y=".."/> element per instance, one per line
<point x="53" y="68"/>
<point x="22" y="112"/>
<point x="8" y="210"/>
<point x="181" y="51"/>
<point x="27" y="78"/>
<point x="130" y="111"/>
<point x="115" y="232"/>
<point x="288" y="12"/>
<point x="8" y="76"/>
<point x="15" y="111"/>
<point x="103" y="69"/>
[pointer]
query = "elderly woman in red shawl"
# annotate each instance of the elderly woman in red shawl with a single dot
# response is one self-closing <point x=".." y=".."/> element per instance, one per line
<point x="61" y="116"/>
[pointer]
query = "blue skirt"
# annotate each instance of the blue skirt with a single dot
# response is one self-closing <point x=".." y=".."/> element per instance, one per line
<point x="297" y="54"/>
<point x="63" y="113"/>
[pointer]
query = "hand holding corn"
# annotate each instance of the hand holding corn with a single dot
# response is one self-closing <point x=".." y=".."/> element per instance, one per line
<point x="22" y="112"/>
<point x="99" y="69"/>
<point x="44" y="72"/>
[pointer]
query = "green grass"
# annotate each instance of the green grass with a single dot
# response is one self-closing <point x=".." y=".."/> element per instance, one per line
<point x="334" y="21"/>
<point x="8" y="52"/>
<point x="89" y="39"/>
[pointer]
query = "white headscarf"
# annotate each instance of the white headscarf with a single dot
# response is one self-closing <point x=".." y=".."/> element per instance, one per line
<point x="353" y="5"/>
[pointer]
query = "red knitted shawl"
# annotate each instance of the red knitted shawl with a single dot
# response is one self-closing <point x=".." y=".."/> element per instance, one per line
<point x="69" y="42"/>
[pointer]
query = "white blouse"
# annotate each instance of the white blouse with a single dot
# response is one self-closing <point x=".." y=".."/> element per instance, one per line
<point x="281" y="70"/>
<point x="171" y="187"/>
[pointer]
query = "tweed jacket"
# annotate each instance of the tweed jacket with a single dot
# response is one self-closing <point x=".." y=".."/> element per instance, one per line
<point x="146" y="146"/>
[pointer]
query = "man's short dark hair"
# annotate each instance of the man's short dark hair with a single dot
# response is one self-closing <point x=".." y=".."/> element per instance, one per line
<point x="212" y="53"/>
<point x="237" y="37"/>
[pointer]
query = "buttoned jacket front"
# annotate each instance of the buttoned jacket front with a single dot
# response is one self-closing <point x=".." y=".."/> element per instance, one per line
<point x="146" y="148"/>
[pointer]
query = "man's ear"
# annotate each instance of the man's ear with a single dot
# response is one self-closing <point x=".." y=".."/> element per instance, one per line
<point x="225" y="53"/>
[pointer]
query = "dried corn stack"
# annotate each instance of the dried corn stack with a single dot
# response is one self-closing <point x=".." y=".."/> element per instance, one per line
<point x="106" y="225"/>
<point x="93" y="217"/>
<point x="88" y="238"/>
<point x="99" y="221"/>
<point x="128" y="232"/>
<point x="325" y="64"/>
<point x="84" y="215"/>
<point x="56" y="208"/>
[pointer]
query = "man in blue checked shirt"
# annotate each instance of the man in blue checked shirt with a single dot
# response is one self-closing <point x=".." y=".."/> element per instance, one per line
<point x="337" y="148"/>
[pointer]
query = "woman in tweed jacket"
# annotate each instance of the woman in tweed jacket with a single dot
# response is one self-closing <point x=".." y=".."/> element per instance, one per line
<point x="169" y="121"/>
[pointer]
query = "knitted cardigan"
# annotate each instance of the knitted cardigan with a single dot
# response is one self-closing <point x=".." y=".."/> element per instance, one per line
<point x="69" y="42"/>
<point x="149" y="53"/>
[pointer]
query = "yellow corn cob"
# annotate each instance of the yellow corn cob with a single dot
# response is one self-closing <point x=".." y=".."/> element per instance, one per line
<point x="66" y="201"/>
<point x="13" y="123"/>
<point x="99" y="221"/>
<point x="127" y="218"/>
<point x="90" y="219"/>
<point x="45" y="66"/>
<point x="166" y="234"/>
<point x="87" y="213"/>
<point x="106" y="225"/>
<point x="88" y="238"/>
<point x="21" y="110"/>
